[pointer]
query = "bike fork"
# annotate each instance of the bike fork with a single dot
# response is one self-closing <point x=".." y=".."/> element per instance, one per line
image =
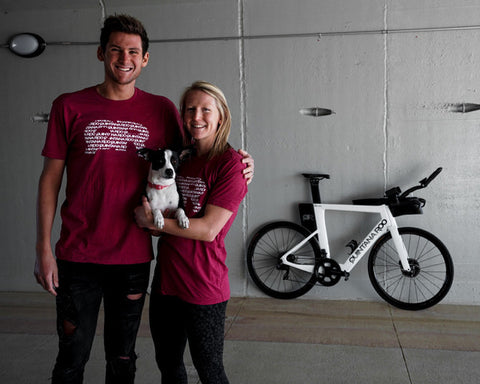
<point x="401" y="249"/>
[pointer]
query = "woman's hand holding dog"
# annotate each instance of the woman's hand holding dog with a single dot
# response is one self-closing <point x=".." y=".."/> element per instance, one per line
<point x="144" y="217"/>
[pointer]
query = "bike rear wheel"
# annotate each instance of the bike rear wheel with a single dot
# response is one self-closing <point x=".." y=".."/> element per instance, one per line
<point x="429" y="280"/>
<point x="267" y="270"/>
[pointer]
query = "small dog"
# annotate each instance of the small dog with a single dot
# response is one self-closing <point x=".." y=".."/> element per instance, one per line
<point x="161" y="189"/>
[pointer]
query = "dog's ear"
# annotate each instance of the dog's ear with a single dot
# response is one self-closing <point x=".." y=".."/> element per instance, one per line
<point x="186" y="153"/>
<point x="145" y="153"/>
<point x="175" y="159"/>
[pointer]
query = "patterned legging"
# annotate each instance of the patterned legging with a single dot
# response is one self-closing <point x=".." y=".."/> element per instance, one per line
<point x="172" y="323"/>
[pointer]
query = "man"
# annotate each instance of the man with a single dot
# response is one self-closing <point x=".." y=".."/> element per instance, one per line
<point x="94" y="134"/>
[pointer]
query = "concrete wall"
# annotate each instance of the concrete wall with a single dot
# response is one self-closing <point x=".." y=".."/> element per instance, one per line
<point x="390" y="86"/>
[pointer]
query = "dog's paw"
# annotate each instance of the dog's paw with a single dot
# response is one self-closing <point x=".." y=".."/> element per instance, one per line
<point x="185" y="223"/>
<point x="182" y="218"/>
<point x="158" y="219"/>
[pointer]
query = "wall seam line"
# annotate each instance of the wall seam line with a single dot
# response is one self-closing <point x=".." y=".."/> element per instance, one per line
<point x="385" y="98"/>
<point x="243" y="123"/>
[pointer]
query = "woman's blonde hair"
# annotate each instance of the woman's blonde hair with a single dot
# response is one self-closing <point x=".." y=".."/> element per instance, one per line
<point x="223" y="131"/>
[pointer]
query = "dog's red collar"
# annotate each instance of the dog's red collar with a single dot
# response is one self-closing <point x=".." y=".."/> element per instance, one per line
<point x="158" y="186"/>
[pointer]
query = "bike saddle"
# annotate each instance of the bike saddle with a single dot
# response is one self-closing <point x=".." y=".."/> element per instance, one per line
<point x="318" y="176"/>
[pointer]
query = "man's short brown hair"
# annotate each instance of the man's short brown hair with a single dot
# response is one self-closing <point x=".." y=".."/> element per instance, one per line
<point x="125" y="24"/>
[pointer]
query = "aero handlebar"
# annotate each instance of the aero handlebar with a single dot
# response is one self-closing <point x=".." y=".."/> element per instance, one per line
<point x="423" y="183"/>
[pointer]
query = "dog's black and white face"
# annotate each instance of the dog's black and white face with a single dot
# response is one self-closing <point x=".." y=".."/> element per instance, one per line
<point x="163" y="167"/>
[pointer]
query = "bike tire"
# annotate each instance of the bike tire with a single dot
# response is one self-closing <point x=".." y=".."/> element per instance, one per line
<point x="264" y="265"/>
<point x="431" y="264"/>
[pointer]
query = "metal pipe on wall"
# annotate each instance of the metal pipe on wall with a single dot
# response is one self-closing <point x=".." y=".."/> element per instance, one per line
<point x="292" y="35"/>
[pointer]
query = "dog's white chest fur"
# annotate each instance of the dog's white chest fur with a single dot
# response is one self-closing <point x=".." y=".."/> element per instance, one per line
<point x="163" y="199"/>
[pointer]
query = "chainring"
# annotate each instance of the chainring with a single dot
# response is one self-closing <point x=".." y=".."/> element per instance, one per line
<point x="328" y="272"/>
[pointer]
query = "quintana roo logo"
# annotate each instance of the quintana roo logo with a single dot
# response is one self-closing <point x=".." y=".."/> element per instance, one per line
<point x="378" y="230"/>
<point x="103" y="135"/>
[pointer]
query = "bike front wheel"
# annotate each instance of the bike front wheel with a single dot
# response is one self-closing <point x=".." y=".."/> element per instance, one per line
<point x="264" y="260"/>
<point x="431" y="274"/>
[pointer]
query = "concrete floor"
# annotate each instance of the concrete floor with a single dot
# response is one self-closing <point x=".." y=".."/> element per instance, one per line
<point x="273" y="341"/>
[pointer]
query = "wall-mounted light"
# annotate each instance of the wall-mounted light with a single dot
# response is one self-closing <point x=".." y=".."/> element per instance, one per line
<point x="27" y="44"/>
<point x="41" y="118"/>
<point x="463" y="107"/>
<point x="315" y="111"/>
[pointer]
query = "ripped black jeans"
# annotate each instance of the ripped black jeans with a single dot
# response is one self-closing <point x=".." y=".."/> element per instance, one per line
<point x="81" y="289"/>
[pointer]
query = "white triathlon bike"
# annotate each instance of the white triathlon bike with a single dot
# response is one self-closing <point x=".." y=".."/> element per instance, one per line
<point x="408" y="267"/>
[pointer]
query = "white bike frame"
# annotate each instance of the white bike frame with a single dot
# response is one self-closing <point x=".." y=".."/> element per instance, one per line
<point x="386" y="224"/>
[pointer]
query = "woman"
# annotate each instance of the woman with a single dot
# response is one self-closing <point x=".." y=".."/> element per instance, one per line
<point x="190" y="287"/>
